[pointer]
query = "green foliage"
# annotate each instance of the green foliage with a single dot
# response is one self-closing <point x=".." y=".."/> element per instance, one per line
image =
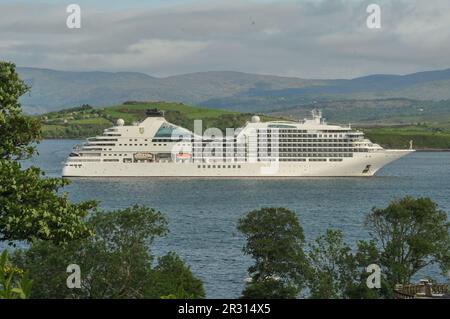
<point x="399" y="137"/>
<point x="337" y="272"/>
<point x="333" y="268"/>
<point x="367" y="253"/>
<point x="408" y="235"/>
<point x="116" y="263"/>
<point x="172" y="279"/>
<point x="14" y="282"/>
<point x="17" y="132"/>
<point x="73" y="130"/>
<point x="275" y="241"/>
<point x="270" y="288"/>
<point x="30" y="206"/>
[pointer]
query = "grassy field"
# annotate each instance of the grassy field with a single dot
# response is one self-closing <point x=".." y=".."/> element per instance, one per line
<point x="86" y="121"/>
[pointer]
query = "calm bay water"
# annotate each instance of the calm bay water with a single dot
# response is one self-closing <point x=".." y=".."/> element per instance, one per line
<point x="203" y="213"/>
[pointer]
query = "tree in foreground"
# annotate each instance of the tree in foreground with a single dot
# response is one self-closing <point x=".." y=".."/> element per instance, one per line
<point x="275" y="241"/>
<point x="333" y="270"/>
<point x="408" y="235"/>
<point x="30" y="205"/>
<point x="116" y="263"/>
<point x="172" y="279"/>
<point x="14" y="282"/>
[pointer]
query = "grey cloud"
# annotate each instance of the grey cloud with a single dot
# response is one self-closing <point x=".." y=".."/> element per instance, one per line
<point x="310" y="39"/>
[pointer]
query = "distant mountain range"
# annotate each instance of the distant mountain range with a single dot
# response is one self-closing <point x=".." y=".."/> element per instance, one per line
<point x="54" y="90"/>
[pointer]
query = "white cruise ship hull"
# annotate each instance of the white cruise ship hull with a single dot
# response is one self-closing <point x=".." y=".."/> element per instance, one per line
<point x="361" y="164"/>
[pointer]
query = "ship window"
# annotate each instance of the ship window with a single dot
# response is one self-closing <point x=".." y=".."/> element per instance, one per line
<point x="168" y="131"/>
<point x="209" y="166"/>
<point x="165" y="130"/>
<point x="198" y="166"/>
<point x="234" y="166"/>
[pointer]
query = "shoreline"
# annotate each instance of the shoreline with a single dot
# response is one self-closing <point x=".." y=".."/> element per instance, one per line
<point x="433" y="150"/>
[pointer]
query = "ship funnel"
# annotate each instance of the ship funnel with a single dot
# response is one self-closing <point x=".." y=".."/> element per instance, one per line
<point x="317" y="115"/>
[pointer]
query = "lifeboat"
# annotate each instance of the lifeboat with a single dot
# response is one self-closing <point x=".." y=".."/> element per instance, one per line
<point x="143" y="156"/>
<point x="184" y="155"/>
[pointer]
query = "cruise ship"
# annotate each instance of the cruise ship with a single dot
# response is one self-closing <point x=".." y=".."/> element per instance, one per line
<point x="157" y="148"/>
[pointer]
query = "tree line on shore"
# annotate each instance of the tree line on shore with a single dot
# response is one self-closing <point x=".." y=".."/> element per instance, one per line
<point x="113" y="248"/>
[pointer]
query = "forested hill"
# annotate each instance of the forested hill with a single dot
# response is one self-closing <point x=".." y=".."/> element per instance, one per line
<point x="85" y="121"/>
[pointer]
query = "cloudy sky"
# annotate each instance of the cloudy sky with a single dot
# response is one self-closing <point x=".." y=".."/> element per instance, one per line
<point x="302" y="38"/>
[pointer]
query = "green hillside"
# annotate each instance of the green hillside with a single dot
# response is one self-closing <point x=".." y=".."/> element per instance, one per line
<point x="87" y="121"/>
<point x="424" y="136"/>
<point x="380" y="112"/>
